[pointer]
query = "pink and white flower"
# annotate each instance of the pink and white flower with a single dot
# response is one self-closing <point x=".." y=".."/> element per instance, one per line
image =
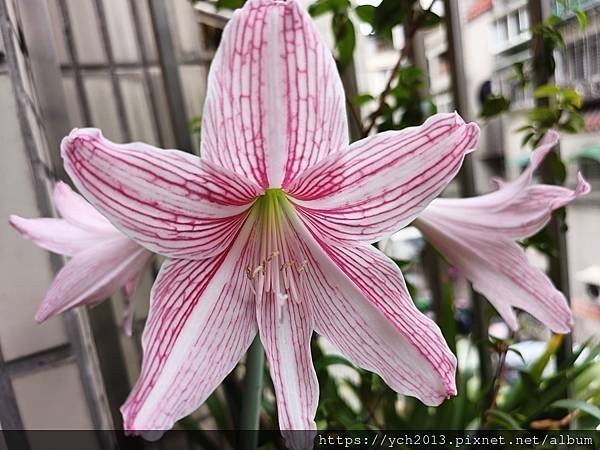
<point x="479" y="235"/>
<point x="271" y="228"/>
<point x="103" y="260"/>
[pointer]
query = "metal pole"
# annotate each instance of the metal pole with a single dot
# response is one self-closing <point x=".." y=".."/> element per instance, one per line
<point x="82" y="327"/>
<point x="559" y="264"/>
<point x="466" y="176"/>
<point x="170" y="74"/>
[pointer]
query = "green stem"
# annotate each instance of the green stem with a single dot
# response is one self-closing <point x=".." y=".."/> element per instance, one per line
<point x="251" y="403"/>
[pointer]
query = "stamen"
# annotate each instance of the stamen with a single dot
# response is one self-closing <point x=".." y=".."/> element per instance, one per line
<point x="277" y="266"/>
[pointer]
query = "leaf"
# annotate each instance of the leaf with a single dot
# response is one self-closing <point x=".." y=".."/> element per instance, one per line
<point x="331" y="360"/>
<point x="321" y="7"/>
<point x="345" y="38"/>
<point x="578" y="404"/>
<point x="362" y="99"/>
<point x="430" y="19"/>
<point x="581" y="18"/>
<point x="548" y="90"/>
<point x="230" y="4"/>
<point x="544" y="117"/>
<point x="557" y="167"/>
<point x="504" y="419"/>
<point x="494" y="105"/>
<point x="366" y="13"/>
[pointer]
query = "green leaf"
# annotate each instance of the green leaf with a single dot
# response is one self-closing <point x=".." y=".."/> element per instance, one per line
<point x="362" y="99"/>
<point x="573" y="124"/>
<point x="230" y="4"/>
<point x="430" y="19"/>
<point x="331" y="360"/>
<point x="366" y="13"/>
<point x="504" y="419"/>
<point x="557" y="167"/>
<point x="581" y="18"/>
<point x="494" y="105"/>
<point x="578" y="404"/>
<point x="321" y="7"/>
<point x="548" y="90"/>
<point x="544" y="117"/>
<point x="345" y="38"/>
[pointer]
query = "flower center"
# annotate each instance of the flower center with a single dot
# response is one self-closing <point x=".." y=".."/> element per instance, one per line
<point x="279" y="263"/>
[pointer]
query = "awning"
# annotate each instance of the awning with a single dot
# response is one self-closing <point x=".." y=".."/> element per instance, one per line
<point x="591" y="152"/>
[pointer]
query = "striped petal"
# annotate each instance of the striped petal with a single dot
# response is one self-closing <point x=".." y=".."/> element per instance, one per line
<point x="382" y="182"/>
<point x="56" y="235"/>
<point x="170" y="202"/>
<point x="77" y="211"/>
<point x="516" y="209"/>
<point x="361" y="305"/>
<point x="275" y="103"/>
<point x="93" y="275"/>
<point x="202" y="319"/>
<point x="285" y="334"/>
<point x="499" y="269"/>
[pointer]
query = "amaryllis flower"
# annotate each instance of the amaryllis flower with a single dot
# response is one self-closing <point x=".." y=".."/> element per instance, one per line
<point x="478" y="236"/>
<point x="271" y="228"/>
<point x="103" y="260"/>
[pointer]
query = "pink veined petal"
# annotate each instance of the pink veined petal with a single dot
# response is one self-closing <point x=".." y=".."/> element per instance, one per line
<point x="171" y="202"/>
<point x="382" y="182"/>
<point x="361" y="305"/>
<point x="56" y="235"/>
<point x="93" y="275"/>
<point x="285" y="334"/>
<point x="202" y="319"/>
<point x="517" y="216"/>
<point x="77" y="211"/>
<point x="498" y="268"/>
<point x="275" y="103"/>
<point x="515" y="210"/>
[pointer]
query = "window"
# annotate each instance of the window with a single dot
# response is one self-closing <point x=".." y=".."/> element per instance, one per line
<point x="512" y="28"/>
<point x="581" y="59"/>
<point x="502" y="30"/>
<point x="523" y="20"/>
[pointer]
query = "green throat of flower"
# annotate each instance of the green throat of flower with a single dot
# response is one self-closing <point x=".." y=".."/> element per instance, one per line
<point x="278" y="263"/>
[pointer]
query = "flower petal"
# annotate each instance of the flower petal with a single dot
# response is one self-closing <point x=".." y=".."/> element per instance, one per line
<point x="515" y="210"/>
<point x="285" y="332"/>
<point x="93" y="275"/>
<point x="382" y="182"/>
<point x="56" y="235"/>
<point x="516" y="216"/>
<point x="275" y="102"/>
<point x="168" y="201"/>
<point x="77" y="211"/>
<point x="361" y="305"/>
<point x="202" y="319"/>
<point x="499" y="269"/>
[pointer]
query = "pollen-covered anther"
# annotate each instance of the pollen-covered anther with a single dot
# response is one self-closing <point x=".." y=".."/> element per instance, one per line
<point x="302" y="266"/>
<point x="252" y="273"/>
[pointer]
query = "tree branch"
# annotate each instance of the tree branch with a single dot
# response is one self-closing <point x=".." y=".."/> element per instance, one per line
<point x="413" y="28"/>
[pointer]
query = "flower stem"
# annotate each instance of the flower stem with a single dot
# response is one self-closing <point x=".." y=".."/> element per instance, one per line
<point x="251" y="403"/>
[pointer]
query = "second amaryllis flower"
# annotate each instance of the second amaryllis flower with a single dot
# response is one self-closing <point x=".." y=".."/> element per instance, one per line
<point x="479" y="235"/>
<point x="103" y="260"/>
<point x="271" y="229"/>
